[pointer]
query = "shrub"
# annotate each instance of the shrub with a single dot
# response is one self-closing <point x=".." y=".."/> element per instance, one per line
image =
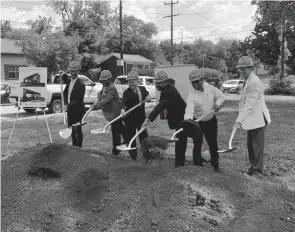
<point x="284" y="87"/>
<point x="214" y="74"/>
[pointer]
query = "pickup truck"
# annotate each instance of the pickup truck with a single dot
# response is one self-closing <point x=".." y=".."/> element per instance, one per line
<point x="53" y="96"/>
<point x="121" y="84"/>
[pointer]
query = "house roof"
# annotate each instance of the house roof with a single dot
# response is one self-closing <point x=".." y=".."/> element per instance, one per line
<point x="135" y="59"/>
<point x="9" y="47"/>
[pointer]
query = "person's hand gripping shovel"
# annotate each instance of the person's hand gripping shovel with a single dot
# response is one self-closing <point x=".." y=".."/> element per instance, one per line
<point x="104" y="130"/>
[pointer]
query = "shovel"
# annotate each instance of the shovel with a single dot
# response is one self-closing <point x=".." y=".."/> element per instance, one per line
<point x="103" y="131"/>
<point x="230" y="149"/>
<point x="128" y="148"/>
<point x="83" y="123"/>
<point x="173" y="139"/>
<point x="64" y="133"/>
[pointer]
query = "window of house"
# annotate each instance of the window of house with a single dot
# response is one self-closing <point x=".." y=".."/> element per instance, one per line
<point x="11" y="72"/>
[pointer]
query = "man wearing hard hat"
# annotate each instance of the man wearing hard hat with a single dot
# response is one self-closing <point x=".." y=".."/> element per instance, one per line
<point x="171" y="101"/>
<point x="134" y="120"/>
<point x="203" y="99"/>
<point x="108" y="100"/>
<point x="253" y="114"/>
<point x="74" y="102"/>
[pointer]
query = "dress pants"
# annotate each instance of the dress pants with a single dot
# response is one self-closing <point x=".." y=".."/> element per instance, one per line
<point x="77" y="136"/>
<point x="209" y="130"/>
<point x="118" y="130"/>
<point x="255" y="144"/>
<point x="131" y="127"/>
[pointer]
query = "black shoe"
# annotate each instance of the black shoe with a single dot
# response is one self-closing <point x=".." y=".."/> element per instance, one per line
<point x="218" y="170"/>
<point x="116" y="151"/>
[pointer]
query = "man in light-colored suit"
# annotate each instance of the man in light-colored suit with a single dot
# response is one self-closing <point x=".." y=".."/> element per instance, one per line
<point x="108" y="100"/>
<point x="253" y="114"/>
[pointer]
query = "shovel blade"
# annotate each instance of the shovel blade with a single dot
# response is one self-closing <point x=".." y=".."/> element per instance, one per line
<point x="228" y="150"/>
<point x="125" y="148"/>
<point x="98" y="131"/>
<point x="65" y="133"/>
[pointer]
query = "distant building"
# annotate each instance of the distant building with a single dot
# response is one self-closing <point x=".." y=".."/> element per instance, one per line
<point x="109" y="62"/>
<point x="12" y="58"/>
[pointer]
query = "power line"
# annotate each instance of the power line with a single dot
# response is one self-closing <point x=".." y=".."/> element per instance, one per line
<point x="219" y="25"/>
<point x="234" y="32"/>
<point x="209" y="12"/>
<point x="197" y="13"/>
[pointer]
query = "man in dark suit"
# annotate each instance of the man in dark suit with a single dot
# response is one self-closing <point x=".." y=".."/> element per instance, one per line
<point x="172" y="102"/>
<point x="74" y="102"/>
<point x="131" y="97"/>
<point x="108" y="100"/>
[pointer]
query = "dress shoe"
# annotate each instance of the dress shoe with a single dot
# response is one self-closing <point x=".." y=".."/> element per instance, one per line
<point x="116" y="151"/>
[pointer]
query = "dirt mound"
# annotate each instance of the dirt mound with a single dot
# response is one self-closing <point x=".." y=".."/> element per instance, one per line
<point x="106" y="193"/>
<point x="88" y="179"/>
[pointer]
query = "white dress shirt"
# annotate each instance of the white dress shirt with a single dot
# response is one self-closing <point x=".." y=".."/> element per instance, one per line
<point x="199" y="103"/>
<point x="72" y="83"/>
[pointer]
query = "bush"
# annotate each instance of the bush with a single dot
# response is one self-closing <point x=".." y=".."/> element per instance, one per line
<point x="214" y="74"/>
<point x="284" y="87"/>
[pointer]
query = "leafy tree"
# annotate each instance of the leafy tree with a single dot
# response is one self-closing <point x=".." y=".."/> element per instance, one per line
<point x="5" y="28"/>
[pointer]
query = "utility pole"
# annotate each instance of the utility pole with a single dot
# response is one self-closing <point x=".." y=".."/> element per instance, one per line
<point x="181" y="46"/>
<point x="283" y="47"/>
<point x="121" y="39"/>
<point x="171" y="16"/>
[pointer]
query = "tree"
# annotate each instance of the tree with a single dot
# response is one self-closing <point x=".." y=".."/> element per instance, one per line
<point x="5" y="28"/>
<point x="281" y="15"/>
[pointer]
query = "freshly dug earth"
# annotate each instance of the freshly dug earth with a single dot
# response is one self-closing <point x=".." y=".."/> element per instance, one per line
<point x="95" y="191"/>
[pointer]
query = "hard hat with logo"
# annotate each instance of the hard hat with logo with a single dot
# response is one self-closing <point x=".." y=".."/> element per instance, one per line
<point x="74" y="66"/>
<point x="245" y="61"/>
<point x="132" y="76"/>
<point x="196" y="75"/>
<point x="105" y="75"/>
<point x="161" y="76"/>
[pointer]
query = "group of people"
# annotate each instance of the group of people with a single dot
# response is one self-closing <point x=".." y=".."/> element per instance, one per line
<point x="205" y="99"/>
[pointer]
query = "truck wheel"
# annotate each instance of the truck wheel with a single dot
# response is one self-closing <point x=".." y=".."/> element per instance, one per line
<point x="29" y="110"/>
<point x="56" y="106"/>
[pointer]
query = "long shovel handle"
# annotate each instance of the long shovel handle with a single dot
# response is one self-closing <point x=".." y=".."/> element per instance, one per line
<point x="62" y="98"/>
<point x="121" y="115"/>
<point x="231" y="138"/>
<point x="135" y="136"/>
<point x="199" y="119"/>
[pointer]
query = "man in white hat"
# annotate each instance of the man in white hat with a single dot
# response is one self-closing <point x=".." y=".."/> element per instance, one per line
<point x="172" y="102"/>
<point x="108" y="100"/>
<point x="253" y="114"/>
<point x="74" y="102"/>
<point x="134" y="120"/>
<point x="203" y="99"/>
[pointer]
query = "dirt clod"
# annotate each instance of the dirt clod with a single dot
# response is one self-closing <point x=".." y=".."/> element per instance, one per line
<point x="200" y="200"/>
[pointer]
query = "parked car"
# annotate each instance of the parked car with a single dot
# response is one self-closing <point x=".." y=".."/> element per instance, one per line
<point x="121" y="84"/>
<point x="214" y="81"/>
<point x="5" y="92"/>
<point x="232" y="86"/>
<point x="53" y="95"/>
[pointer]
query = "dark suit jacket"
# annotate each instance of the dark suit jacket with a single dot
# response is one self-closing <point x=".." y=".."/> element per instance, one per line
<point x="76" y="108"/>
<point x="109" y="103"/>
<point x="172" y="101"/>
<point x="130" y="99"/>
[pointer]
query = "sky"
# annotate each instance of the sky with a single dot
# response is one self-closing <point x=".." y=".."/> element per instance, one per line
<point x="206" y="19"/>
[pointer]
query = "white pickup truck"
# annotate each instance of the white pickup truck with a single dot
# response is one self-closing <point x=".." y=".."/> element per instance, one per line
<point x="121" y="84"/>
<point x="53" y="98"/>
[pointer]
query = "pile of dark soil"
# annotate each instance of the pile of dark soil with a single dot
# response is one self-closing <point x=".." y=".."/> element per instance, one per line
<point x="97" y="192"/>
